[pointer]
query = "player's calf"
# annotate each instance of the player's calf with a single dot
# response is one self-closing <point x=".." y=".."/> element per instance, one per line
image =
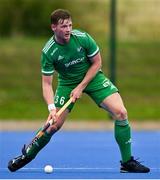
<point x="29" y="152"/>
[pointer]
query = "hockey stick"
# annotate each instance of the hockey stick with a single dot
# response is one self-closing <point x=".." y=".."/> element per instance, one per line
<point x="22" y="160"/>
<point x="50" y="122"/>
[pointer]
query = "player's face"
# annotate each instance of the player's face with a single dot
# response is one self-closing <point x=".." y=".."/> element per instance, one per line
<point x="62" y="30"/>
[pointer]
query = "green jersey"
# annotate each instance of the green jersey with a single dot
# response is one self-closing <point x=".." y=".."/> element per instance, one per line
<point x="71" y="60"/>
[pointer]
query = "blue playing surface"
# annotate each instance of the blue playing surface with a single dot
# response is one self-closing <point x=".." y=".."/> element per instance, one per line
<point x="80" y="155"/>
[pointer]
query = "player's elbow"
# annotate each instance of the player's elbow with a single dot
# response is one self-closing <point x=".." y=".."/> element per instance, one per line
<point x="100" y="65"/>
<point x="97" y="61"/>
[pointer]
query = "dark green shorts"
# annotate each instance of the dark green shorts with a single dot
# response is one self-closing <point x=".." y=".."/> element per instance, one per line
<point x="98" y="89"/>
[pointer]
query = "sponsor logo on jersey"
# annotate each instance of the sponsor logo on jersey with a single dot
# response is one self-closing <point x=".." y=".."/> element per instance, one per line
<point x="73" y="62"/>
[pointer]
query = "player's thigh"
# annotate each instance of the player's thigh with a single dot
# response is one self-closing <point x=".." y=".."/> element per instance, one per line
<point x="62" y="95"/>
<point x="100" y="88"/>
<point x="114" y="104"/>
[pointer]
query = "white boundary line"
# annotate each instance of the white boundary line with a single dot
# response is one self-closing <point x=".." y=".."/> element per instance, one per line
<point x="76" y="168"/>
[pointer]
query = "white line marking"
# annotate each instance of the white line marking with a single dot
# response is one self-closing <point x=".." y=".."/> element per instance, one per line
<point x="75" y="168"/>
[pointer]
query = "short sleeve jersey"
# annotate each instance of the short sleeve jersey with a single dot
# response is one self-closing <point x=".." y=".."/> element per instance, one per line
<point x="71" y="60"/>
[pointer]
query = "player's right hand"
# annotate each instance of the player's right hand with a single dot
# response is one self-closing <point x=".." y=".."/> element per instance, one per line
<point x="76" y="93"/>
<point x="52" y="115"/>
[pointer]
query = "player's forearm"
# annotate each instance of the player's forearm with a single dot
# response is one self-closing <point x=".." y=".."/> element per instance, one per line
<point x="90" y="75"/>
<point x="48" y="94"/>
<point x="92" y="71"/>
<point x="47" y="90"/>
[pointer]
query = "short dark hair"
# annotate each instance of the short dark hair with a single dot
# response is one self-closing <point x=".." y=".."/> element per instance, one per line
<point x="59" y="14"/>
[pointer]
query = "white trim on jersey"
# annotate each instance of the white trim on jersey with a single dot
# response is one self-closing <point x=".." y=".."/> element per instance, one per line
<point x="48" y="45"/>
<point x="78" y="33"/>
<point x="81" y="35"/>
<point x="45" y="50"/>
<point x="95" y="52"/>
<point x="47" y="72"/>
<point x="49" y="41"/>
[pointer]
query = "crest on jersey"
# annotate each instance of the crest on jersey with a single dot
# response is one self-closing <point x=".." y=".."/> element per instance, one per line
<point x="79" y="49"/>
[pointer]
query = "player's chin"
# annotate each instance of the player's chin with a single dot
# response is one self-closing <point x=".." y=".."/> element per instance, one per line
<point x="67" y="38"/>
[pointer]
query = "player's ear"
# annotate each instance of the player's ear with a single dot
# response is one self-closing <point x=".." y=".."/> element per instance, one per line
<point x="53" y="27"/>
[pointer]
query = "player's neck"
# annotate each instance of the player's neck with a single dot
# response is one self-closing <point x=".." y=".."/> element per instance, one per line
<point x="61" y="41"/>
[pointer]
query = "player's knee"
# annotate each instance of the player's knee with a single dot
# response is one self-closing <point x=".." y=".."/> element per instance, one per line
<point x="58" y="126"/>
<point x="121" y="114"/>
<point x="54" y="128"/>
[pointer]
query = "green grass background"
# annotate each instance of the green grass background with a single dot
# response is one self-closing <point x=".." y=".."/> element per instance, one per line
<point x="138" y="63"/>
